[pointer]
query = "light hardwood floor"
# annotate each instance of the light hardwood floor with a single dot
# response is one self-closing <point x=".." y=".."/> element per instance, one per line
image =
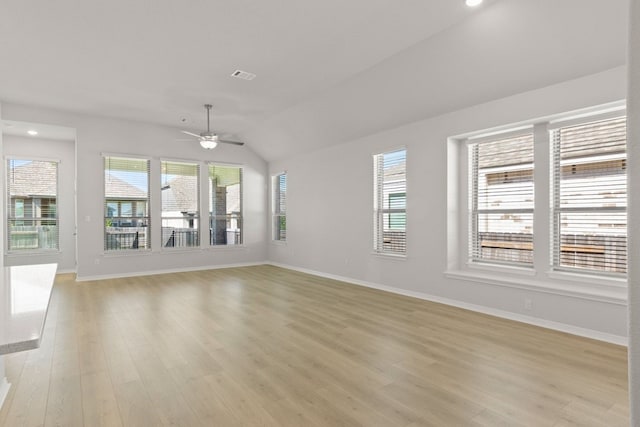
<point x="264" y="346"/>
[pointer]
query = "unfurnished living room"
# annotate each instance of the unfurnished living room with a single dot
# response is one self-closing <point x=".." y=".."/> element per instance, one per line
<point x="320" y="213"/>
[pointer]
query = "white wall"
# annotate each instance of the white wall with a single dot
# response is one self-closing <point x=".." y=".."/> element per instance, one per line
<point x="102" y="135"/>
<point x="633" y="105"/>
<point x="330" y="211"/>
<point x="64" y="151"/>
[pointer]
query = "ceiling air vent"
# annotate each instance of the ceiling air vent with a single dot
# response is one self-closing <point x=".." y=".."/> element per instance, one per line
<point x="243" y="75"/>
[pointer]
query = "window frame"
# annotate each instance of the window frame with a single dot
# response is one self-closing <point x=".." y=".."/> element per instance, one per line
<point x="279" y="216"/>
<point x="239" y="218"/>
<point x="474" y="247"/>
<point x="543" y="277"/>
<point x="380" y="210"/>
<point x="106" y="200"/>
<point x="197" y="213"/>
<point x="556" y="208"/>
<point x="23" y="218"/>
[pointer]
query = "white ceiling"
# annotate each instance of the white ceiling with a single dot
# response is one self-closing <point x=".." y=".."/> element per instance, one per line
<point x="327" y="71"/>
<point x="57" y="133"/>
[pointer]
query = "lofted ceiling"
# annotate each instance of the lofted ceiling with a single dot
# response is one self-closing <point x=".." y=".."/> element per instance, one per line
<point x="327" y="71"/>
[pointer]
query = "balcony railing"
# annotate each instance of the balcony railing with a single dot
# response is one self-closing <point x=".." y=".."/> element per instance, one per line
<point x="117" y="238"/>
<point x="173" y="237"/>
<point x="33" y="237"/>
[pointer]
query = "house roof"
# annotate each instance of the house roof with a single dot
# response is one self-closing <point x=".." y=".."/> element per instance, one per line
<point x="178" y="194"/>
<point x="116" y="188"/>
<point x="33" y="179"/>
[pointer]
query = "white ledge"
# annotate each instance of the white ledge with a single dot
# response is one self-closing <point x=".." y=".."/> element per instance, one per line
<point x="394" y="257"/>
<point x="591" y="291"/>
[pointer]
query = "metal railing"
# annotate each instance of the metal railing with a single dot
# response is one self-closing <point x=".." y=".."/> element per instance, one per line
<point x="117" y="238"/>
<point x="180" y="237"/>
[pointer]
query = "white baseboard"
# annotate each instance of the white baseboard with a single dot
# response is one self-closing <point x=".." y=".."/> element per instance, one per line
<point x="4" y="384"/>
<point x="167" y="271"/>
<point x="549" y="324"/>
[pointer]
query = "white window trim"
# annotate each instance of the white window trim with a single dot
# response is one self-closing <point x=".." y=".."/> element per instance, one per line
<point x="201" y="171"/>
<point x="488" y="264"/>
<point x="386" y="254"/>
<point x="541" y="277"/>
<point x="128" y="252"/>
<point x="205" y="206"/>
<point x="272" y="201"/>
<point x="30" y="252"/>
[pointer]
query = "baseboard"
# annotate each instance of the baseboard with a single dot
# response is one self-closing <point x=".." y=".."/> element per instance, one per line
<point x="548" y="324"/>
<point x="4" y="384"/>
<point x="166" y="271"/>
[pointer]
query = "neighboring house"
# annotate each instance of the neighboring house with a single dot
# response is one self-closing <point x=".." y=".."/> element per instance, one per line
<point x="394" y="196"/>
<point x="32" y="188"/>
<point x="124" y="202"/>
<point x="180" y="212"/>
<point x="126" y="214"/>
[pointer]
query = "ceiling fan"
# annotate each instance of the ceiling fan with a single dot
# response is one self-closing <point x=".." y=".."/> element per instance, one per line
<point x="208" y="139"/>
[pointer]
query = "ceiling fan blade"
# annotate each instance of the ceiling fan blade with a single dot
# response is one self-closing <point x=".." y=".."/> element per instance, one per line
<point x="190" y="133"/>
<point x="231" y="142"/>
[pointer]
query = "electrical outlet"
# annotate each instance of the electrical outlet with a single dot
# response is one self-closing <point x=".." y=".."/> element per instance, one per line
<point x="528" y="304"/>
<point x="96" y="261"/>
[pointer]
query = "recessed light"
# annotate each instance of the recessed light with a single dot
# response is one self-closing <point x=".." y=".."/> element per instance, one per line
<point x="32" y="132"/>
<point x="244" y="75"/>
<point x="472" y="3"/>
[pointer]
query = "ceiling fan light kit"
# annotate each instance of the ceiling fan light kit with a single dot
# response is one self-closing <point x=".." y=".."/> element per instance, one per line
<point x="208" y="144"/>
<point x="209" y="140"/>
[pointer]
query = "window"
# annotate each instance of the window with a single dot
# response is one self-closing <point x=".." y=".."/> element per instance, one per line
<point x="126" y="190"/>
<point x="390" y="202"/>
<point x="280" y="207"/>
<point x="501" y="200"/>
<point x="590" y="196"/>
<point x="225" y="205"/>
<point x="180" y="204"/>
<point x="32" y="216"/>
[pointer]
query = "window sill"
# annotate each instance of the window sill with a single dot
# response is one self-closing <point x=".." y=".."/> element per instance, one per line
<point x="126" y="253"/>
<point x="279" y="242"/>
<point x="601" y="291"/>
<point x="33" y="253"/>
<point x="214" y="248"/>
<point x="502" y="268"/>
<point x="592" y="279"/>
<point x="395" y="257"/>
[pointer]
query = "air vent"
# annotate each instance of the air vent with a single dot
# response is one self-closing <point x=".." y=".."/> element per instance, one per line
<point x="243" y="75"/>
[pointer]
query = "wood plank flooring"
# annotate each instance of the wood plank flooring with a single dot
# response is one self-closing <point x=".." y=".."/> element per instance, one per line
<point x="264" y="346"/>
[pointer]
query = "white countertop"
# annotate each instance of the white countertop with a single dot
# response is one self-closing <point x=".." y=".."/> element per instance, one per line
<point x="24" y="299"/>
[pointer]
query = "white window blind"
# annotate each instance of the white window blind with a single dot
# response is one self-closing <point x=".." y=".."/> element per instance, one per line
<point x="501" y="200"/>
<point x="180" y="204"/>
<point x="225" y="205"/>
<point x="590" y="196"/>
<point x="279" y="186"/>
<point x="390" y="202"/>
<point x="32" y="205"/>
<point x="126" y="204"/>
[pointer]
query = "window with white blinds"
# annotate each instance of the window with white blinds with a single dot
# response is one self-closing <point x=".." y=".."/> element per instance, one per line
<point x="126" y="204"/>
<point x="279" y="221"/>
<point x="225" y="205"/>
<point x="32" y="205"/>
<point x="390" y="202"/>
<point x="502" y="200"/>
<point x="590" y="196"/>
<point x="180" y="204"/>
